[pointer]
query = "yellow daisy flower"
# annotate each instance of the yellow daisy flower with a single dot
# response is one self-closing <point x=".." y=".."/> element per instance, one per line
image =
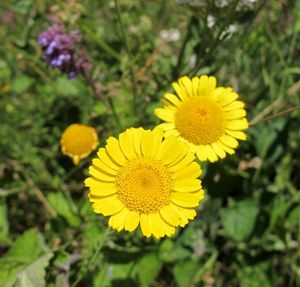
<point x="78" y="141"/>
<point x="209" y="119"/>
<point x="141" y="179"/>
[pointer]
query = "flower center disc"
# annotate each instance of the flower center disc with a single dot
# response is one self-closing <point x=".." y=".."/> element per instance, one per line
<point x="144" y="185"/>
<point x="200" y="120"/>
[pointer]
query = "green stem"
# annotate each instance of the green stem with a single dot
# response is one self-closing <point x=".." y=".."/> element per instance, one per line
<point x="217" y="40"/>
<point x="85" y="268"/>
<point x="125" y="40"/>
<point x="183" y="47"/>
<point x="116" y="117"/>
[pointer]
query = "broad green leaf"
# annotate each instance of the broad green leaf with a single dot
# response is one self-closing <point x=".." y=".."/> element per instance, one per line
<point x="28" y="248"/>
<point x="21" y="84"/>
<point x="254" y="276"/>
<point x="63" y="207"/>
<point x="239" y="220"/>
<point x="67" y="87"/>
<point x="184" y="272"/>
<point x="34" y="274"/>
<point x="147" y="268"/>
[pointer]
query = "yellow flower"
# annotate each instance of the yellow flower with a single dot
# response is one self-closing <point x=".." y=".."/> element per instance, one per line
<point x="141" y="179"/>
<point x="78" y="141"/>
<point x="208" y="118"/>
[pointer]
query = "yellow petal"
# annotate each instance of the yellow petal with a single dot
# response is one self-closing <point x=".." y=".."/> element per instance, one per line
<point x="171" y="150"/>
<point x="228" y="98"/>
<point x="218" y="150"/>
<point x="207" y="86"/>
<point x="166" y="126"/>
<point x="168" y="229"/>
<point x="145" y="225"/>
<point x="99" y="164"/>
<point x="193" y="170"/>
<point x="237" y="125"/>
<point x="126" y="144"/>
<point x="165" y="114"/>
<point x="102" y="154"/>
<point x="229" y="141"/>
<point x="205" y="152"/>
<point x="158" y="137"/>
<point x="117" y="221"/>
<point x="114" y="151"/>
<point x="234" y="106"/>
<point x="202" y="152"/>
<point x="186" y="160"/>
<point x="137" y="135"/>
<point x="170" y="215"/>
<point x="184" y="199"/>
<point x="195" y="84"/>
<point x="235" y="114"/>
<point x="170" y="133"/>
<point x="220" y="93"/>
<point x="147" y="141"/>
<point x="108" y="207"/>
<point x="203" y="86"/>
<point x="99" y="200"/>
<point x="107" y="191"/>
<point x="132" y="221"/>
<point x="186" y="214"/>
<point x="172" y="99"/>
<point x="225" y="147"/>
<point x="212" y="82"/>
<point x="186" y="83"/>
<point x="189" y="213"/>
<point x="181" y="92"/>
<point x="237" y="134"/>
<point x="93" y="171"/>
<point x="155" y="223"/>
<point x="186" y="185"/>
<point x="94" y="182"/>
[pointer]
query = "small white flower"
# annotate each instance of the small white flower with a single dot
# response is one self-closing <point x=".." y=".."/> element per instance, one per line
<point x="211" y="21"/>
<point x="170" y="35"/>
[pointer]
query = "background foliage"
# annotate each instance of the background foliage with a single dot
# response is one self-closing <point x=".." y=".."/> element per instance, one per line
<point x="247" y="230"/>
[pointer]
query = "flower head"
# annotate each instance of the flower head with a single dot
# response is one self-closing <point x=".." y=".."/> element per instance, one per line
<point x="208" y="119"/>
<point x="78" y="141"/>
<point x="141" y="179"/>
<point x="61" y="50"/>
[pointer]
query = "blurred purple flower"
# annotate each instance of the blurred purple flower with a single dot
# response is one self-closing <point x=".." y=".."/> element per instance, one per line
<point x="61" y="50"/>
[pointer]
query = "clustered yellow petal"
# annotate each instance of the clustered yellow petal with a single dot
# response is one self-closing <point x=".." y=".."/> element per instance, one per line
<point x="78" y="141"/>
<point x="207" y="118"/>
<point x="142" y="179"/>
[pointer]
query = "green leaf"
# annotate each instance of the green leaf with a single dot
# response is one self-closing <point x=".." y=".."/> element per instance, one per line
<point x="239" y="220"/>
<point x="34" y="274"/>
<point x="254" y="276"/>
<point x="147" y="268"/>
<point x="184" y="272"/>
<point x="28" y="248"/>
<point x="21" y="84"/>
<point x="67" y="87"/>
<point x="63" y="207"/>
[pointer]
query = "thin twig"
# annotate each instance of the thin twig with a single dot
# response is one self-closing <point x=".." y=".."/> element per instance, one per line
<point x="38" y="193"/>
<point x="97" y="93"/>
<point x="265" y="112"/>
<point x="282" y="113"/>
